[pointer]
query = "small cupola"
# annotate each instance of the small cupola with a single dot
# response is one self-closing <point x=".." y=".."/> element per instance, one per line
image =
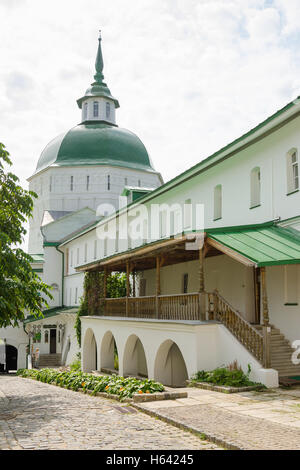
<point x="98" y="104"/>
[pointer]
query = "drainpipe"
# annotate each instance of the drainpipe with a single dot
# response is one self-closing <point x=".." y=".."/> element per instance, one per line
<point x="62" y="275"/>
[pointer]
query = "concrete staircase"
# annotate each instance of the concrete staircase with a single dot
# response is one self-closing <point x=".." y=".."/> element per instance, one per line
<point x="49" y="360"/>
<point x="281" y="354"/>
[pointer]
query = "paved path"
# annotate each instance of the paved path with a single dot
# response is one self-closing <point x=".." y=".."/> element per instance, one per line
<point x="249" y="420"/>
<point x="34" y="415"/>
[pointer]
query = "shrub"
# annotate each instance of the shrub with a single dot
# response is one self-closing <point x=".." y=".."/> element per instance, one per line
<point x="75" y="366"/>
<point x="228" y="376"/>
<point x="111" y="384"/>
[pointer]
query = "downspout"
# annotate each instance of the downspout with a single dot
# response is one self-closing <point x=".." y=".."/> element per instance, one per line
<point x="62" y="275"/>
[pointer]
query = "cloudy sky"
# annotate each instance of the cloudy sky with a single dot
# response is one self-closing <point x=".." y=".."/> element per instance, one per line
<point x="190" y="75"/>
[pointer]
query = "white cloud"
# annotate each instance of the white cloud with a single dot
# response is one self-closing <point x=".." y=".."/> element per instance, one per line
<point x="190" y="75"/>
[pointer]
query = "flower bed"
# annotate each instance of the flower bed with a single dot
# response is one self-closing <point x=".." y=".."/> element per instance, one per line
<point x="115" y="385"/>
<point x="224" y="379"/>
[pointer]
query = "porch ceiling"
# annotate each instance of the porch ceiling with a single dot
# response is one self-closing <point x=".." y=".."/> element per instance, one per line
<point x="265" y="245"/>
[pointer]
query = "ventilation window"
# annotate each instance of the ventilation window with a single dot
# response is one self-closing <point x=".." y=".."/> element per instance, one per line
<point x="72" y="183"/>
<point x="292" y="171"/>
<point x="218" y="202"/>
<point x="108" y="182"/>
<point x="87" y="183"/>
<point x="255" y="188"/>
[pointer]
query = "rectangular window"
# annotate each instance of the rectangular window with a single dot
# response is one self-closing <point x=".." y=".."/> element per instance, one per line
<point x="188" y="214"/>
<point x="96" y="109"/>
<point x="218" y="202"/>
<point x="139" y="183"/>
<point x="185" y="280"/>
<point x="107" y="110"/>
<point x="108" y="182"/>
<point x="126" y="181"/>
<point x="87" y="183"/>
<point x="71" y="183"/>
<point x="85" y="111"/>
<point x="295" y="170"/>
<point x="291" y="284"/>
<point x="292" y="171"/>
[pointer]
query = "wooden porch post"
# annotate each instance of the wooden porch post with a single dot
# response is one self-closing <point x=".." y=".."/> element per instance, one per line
<point x="105" y="289"/>
<point x="157" y="293"/>
<point x="266" y="320"/>
<point x="127" y="287"/>
<point x="201" y="285"/>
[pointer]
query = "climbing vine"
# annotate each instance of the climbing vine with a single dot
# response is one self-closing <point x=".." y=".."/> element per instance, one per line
<point x="92" y="301"/>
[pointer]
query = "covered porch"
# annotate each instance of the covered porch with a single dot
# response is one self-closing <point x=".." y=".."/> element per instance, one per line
<point x="150" y="274"/>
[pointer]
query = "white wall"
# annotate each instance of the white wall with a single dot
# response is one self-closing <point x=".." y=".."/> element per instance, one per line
<point x="203" y="346"/>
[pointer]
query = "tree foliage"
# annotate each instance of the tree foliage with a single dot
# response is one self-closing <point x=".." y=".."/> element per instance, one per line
<point x="20" y="288"/>
<point x="92" y="302"/>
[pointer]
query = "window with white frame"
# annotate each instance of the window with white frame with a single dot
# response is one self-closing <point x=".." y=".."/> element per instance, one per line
<point x="188" y="214"/>
<point x="96" y="109"/>
<point x="218" y="202"/>
<point x="71" y="183"/>
<point x="292" y="171"/>
<point x="255" y="188"/>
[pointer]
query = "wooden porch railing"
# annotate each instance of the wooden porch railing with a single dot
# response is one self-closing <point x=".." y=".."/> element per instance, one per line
<point x="115" y="307"/>
<point x="179" y="307"/>
<point x="219" y="309"/>
<point x="142" y="307"/>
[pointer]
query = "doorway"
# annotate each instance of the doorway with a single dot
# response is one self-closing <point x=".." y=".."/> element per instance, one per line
<point x="11" y="358"/>
<point x="53" y="341"/>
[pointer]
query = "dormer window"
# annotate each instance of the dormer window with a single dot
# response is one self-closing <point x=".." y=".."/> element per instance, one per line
<point x="96" y="109"/>
<point x="107" y="110"/>
<point x="292" y="171"/>
<point x="85" y="111"/>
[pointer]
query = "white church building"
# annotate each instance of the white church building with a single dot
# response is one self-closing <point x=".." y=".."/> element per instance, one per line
<point x="211" y="257"/>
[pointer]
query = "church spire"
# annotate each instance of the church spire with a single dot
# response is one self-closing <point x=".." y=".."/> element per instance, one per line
<point x="99" y="63"/>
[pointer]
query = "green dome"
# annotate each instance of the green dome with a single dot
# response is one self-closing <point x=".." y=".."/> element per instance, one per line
<point x="96" y="143"/>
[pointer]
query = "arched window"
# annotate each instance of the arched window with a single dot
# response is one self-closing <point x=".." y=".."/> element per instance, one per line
<point x="107" y="110"/>
<point x="218" y="202"/>
<point x="255" y="188"/>
<point x="292" y="171"/>
<point x="85" y="111"/>
<point x="96" y="108"/>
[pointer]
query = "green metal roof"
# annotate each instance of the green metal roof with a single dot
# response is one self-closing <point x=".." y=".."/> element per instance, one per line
<point x="265" y="245"/>
<point x="37" y="258"/>
<point x="51" y="312"/>
<point x="96" y="143"/>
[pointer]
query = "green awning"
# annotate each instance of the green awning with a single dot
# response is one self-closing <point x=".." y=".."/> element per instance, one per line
<point x="264" y="245"/>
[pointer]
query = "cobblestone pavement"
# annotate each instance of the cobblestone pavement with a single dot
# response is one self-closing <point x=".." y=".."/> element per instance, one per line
<point x="34" y="415"/>
<point x="248" y="420"/>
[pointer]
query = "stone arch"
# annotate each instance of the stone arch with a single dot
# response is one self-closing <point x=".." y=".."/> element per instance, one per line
<point x="109" y="352"/>
<point x="89" y="352"/>
<point x="134" y="357"/>
<point x="169" y="366"/>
